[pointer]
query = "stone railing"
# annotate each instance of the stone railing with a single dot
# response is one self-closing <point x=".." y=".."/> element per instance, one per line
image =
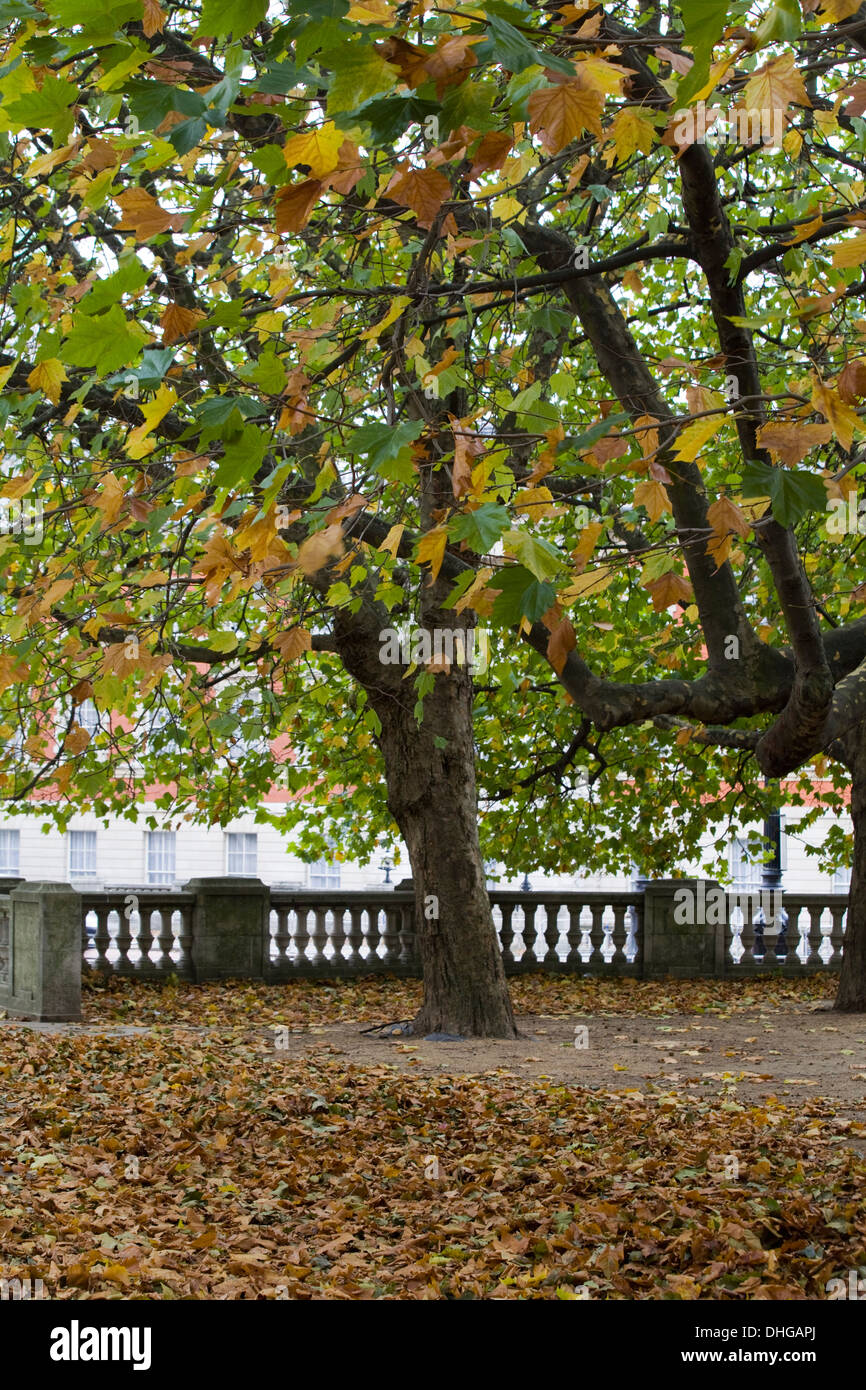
<point x="236" y="928"/>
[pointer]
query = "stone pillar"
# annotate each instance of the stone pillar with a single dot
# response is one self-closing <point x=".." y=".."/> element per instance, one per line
<point x="40" y="953"/>
<point x="683" y="929"/>
<point x="230" y="933"/>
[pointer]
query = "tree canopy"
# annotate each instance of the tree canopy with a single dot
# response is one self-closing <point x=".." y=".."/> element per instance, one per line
<point x="312" y="313"/>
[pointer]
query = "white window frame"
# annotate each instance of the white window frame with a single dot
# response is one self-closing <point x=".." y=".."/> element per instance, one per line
<point x="88" y="843"/>
<point x="841" y="880"/>
<point x="157" y="869"/>
<point x="242" y="850"/>
<point x="328" y="872"/>
<point x="10" y="850"/>
<point x="745" y="875"/>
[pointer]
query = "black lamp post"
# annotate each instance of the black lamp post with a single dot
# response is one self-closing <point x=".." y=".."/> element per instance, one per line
<point x="526" y="886"/>
<point x="771" y="883"/>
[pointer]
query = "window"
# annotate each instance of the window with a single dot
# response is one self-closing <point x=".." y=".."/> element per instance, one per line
<point x="841" y="880"/>
<point x="745" y="873"/>
<point x="10" y="851"/>
<point x="87" y="715"/>
<point x="242" y="855"/>
<point x="160" y="856"/>
<point x="325" y="874"/>
<point x="82" y="854"/>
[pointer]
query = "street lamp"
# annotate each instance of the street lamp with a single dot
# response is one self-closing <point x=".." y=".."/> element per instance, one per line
<point x="387" y="865"/>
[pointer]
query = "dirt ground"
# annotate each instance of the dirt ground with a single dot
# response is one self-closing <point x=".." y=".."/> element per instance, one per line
<point x="789" y="1053"/>
<point x="793" y="1052"/>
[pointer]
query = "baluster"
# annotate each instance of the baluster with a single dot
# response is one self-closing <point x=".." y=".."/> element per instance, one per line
<point x="302" y="938"/>
<point x="176" y="952"/>
<point x="551" y="934"/>
<point x="123" y="942"/>
<point x="356" y="935"/>
<point x="102" y="942"/>
<point x="618" y="935"/>
<point x="574" y="934"/>
<point x="374" y="935"/>
<point x="530" y="935"/>
<point x="339" y="935"/>
<point x="596" y="934"/>
<point x="85" y="939"/>
<point x="506" y="933"/>
<point x="319" y="935"/>
<point x="812" y="934"/>
<point x="282" y="936"/>
<point x="391" y="936"/>
<point x="408" y="958"/>
<point x="837" y="933"/>
<point x="747" y="934"/>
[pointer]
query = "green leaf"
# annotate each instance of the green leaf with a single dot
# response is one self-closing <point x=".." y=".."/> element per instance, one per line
<point x="704" y="25"/>
<point x="539" y="556"/>
<point x="242" y="459"/>
<point x="47" y="109"/>
<point x="521" y="596"/>
<point x="480" y="529"/>
<point x="792" y="491"/>
<point x="506" y="45"/>
<point x="383" y="443"/>
<point x="219" y="18"/>
<point x="106" y="342"/>
<point x="359" y="74"/>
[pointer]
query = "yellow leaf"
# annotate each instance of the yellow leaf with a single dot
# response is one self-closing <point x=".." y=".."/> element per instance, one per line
<point x="586" y="545"/>
<point x="843" y="418"/>
<point x="375" y="330"/>
<point x="850" y="253"/>
<point x="629" y="131"/>
<point x="138" y="444"/>
<point x="109" y="499"/>
<point x="47" y="377"/>
<point x="478" y="597"/>
<point x="44" y="163"/>
<point x="316" y="550"/>
<point x="561" y="113"/>
<point x="431" y="550"/>
<point x="776" y="86"/>
<point x="391" y="542"/>
<point x="789" y="441"/>
<point x="593" y="582"/>
<point x="695" y="436"/>
<point x="653" y="496"/>
<point x="318" y="148"/>
<point x="724" y="516"/>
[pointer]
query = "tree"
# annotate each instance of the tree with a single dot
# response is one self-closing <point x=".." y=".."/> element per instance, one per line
<point x="365" y="316"/>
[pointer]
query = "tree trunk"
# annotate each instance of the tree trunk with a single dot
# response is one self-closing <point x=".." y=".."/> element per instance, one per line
<point x="430" y="778"/>
<point x="851" y="994"/>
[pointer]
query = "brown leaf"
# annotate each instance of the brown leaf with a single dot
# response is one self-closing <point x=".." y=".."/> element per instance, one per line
<point x="143" y="215"/>
<point x="177" y="321"/>
<point x="295" y="204"/>
<point x="422" y="190"/>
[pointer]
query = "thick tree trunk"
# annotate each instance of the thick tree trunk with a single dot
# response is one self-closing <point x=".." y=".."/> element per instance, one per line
<point x="851" y="994"/>
<point x="430" y="777"/>
<point x="431" y="794"/>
